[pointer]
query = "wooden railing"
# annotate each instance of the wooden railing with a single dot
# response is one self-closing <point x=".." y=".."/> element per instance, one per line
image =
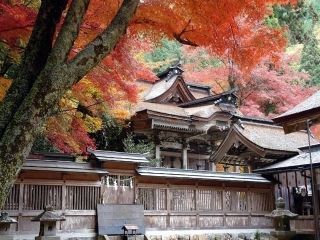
<point x="77" y="201"/>
<point x="62" y="195"/>
<point x="174" y="207"/>
<point x="12" y="202"/>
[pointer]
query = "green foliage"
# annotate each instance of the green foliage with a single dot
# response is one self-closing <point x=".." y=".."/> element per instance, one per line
<point x="171" y="51"/>
<point x="141" y="146"/>
<point x="42" y="144"/>
<point x="299" y="19"/>
<point x="109" y="137"/>
<point x="204" y="60"/>
<point x="257" y="235"/>
<point x="8" y="66"/>
<point x="269" y="107"/>
<point x="310" y="60"/>
<point x="165" y="55"/>
<point x="272" y="21"/>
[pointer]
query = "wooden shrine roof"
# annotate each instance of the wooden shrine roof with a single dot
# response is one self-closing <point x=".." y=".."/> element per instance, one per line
<point x="295" y="118"/>
<point x="61" y="166"/>
<point x="299" y="162"/>
<point x="104" y="156"/>
<point x="209" y="99"/>
<point x="161" y="108"/>
<point x="200" y="174"/>
<point x="272" y="137"/>
<point x="262" y="140"/>
<point x="165" y="89"/>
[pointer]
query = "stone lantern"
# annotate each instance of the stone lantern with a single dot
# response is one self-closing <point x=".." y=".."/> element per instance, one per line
<point x="48" y="224"/>
<point x="5" y="223"/>
<point x="281" y="218"/>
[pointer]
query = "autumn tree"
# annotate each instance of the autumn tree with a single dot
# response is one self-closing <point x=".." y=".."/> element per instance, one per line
<point x="64" y="47"/>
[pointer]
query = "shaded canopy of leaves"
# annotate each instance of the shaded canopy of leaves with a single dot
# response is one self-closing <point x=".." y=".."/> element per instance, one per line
<point x="226" y="28"/>
<point x="300" y="19"/>
<point x="310" y="60"/>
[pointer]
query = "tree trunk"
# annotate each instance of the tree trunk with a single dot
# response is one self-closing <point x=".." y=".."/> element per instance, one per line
<point x="56" y="77"/>
<point x="34" y="58"/>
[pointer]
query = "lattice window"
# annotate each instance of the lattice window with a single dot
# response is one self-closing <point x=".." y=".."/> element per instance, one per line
<point x="152" y="199"/>
<point x="12" y="202"/>
<point x="37" y="197"/>
<point x="82" y="197"/>
<point x="236" y="201"/>
<point x="209" y="200"/>
<point x="182" y="200"/>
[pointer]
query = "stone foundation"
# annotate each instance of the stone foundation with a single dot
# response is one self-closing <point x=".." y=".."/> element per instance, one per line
<point x="214" y="236"/>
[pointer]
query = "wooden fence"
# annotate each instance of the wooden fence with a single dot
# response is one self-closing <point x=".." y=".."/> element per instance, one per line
<point x="174" y="207"/>
<point x="77" y="201"/>
<point x="166" y="206"/>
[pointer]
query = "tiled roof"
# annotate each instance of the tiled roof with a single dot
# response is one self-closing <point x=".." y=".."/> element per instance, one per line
<point x="273" y="137"/>
<point x="201" y="175"/>
<point x="301" y="161"/>
<point x="308" y="104"/>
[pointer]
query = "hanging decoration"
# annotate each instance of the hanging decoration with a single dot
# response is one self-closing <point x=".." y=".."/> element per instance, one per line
<point x="116" y="181"/>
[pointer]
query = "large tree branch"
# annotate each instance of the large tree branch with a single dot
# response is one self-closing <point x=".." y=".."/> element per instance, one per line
<point x="179" y="36"/>
<point x="103" y="44"/>
<point x="47" y="90"/>
<point x="69" y="31"/>
<point x="34" y="58"/>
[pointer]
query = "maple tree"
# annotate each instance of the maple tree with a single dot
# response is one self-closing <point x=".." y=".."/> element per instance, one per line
<point x="64" y="47"/>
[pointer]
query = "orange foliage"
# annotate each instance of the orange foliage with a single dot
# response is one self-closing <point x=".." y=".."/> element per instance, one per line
<point x="231" y="29"/>
<point x="4" y="86"/>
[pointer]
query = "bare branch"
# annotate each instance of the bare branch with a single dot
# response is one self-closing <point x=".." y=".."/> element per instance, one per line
<point x="185" y="41"/>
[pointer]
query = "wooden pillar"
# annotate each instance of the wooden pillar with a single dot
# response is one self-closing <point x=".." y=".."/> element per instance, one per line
<point x="184" y="154"/>
<point x="213" y="167"/>
<point x="158" y="155"/>
<point x="63" y="197"/>
<point x="315" y="202"/>
<point x="21" y="198"/>
<point x="157" y="144"/>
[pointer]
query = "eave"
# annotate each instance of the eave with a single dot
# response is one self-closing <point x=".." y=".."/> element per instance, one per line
<point x="174" y="173"/>
<point x="298" y="121"/>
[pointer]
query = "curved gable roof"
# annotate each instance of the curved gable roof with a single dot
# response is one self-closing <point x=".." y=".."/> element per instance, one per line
<point x="261" y="138"/>
<point x="163" y="91"/>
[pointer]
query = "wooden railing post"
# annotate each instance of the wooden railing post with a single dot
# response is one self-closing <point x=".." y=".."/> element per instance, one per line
<point x="249" y="206"/>
<point x="63" y="197"/>
<point x="224" y="205"/>
<point x="196" y="197"/>
<point x="168" y="207"/>
<point x="20" y="206"/>
<point x="21" y="196"/>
